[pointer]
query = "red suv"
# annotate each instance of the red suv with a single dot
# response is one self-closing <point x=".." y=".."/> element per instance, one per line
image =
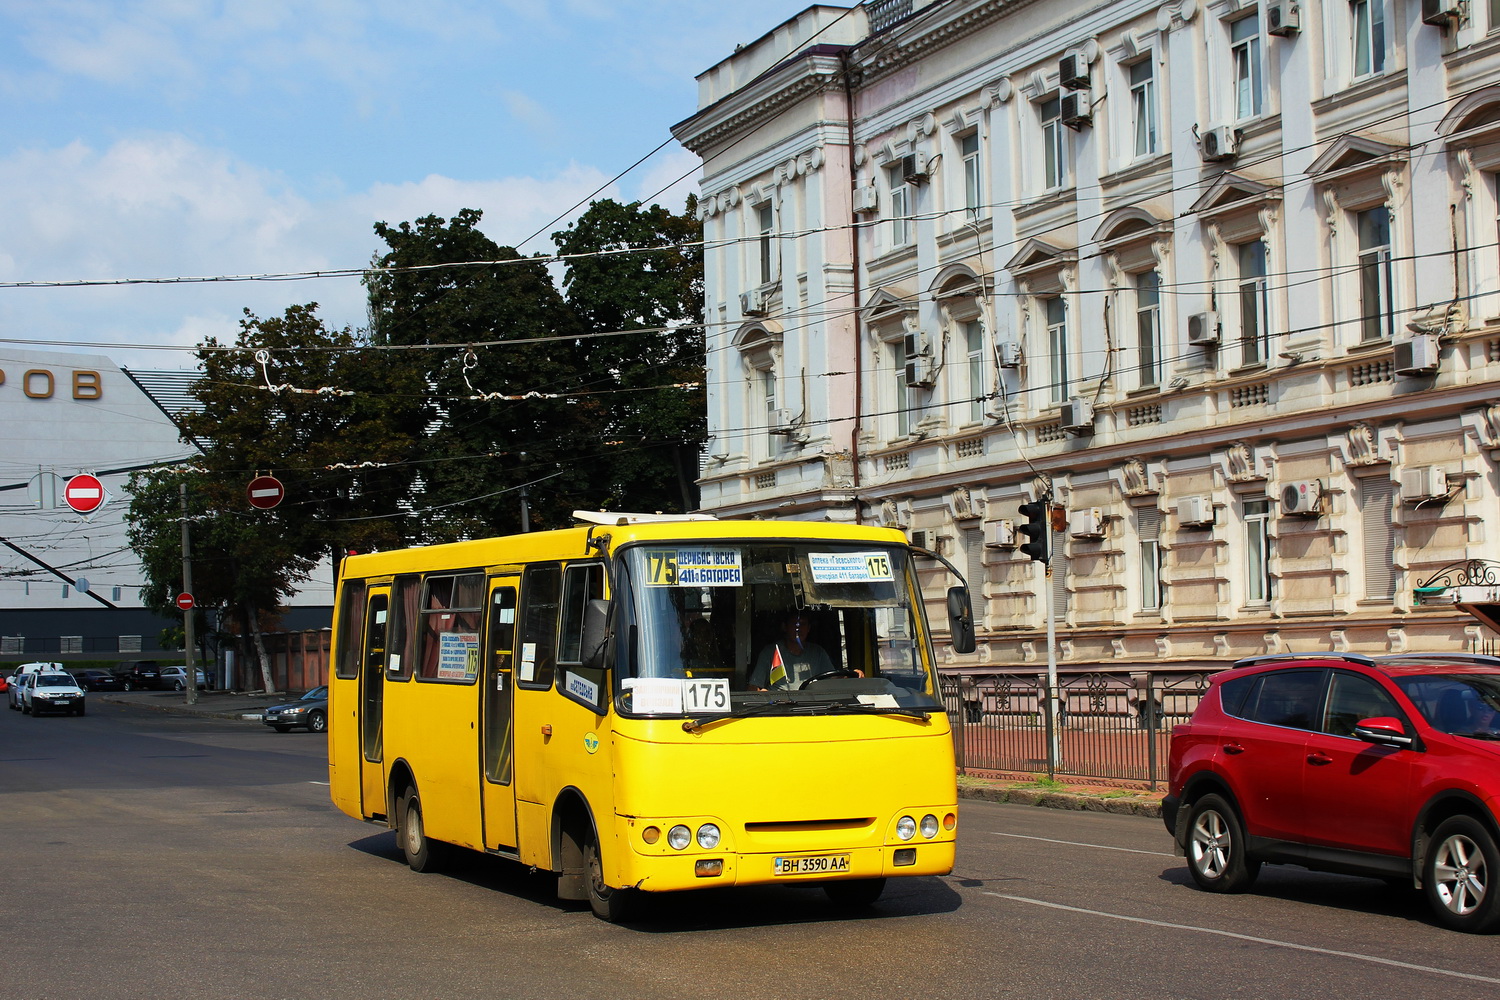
<point x="1385" y="767"/>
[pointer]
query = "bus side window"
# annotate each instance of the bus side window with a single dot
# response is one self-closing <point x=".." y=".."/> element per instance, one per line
<point x="351" y="629"/>
<point x="539" y="594"/>
<point x="583" y="582"/>
<point x="401" y="638"/>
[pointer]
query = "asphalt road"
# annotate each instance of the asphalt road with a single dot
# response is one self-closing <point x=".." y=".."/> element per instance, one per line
<point x="153" y="855"/>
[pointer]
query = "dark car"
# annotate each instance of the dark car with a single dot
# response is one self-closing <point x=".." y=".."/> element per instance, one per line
<point x="309" y="712"/>
<point x="1386" y="767"/>
<point x="139" y="675"/>
<point x="98" y="680"/>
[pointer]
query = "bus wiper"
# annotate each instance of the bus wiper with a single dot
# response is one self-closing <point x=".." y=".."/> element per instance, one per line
<point x="840" y="707"/>
<point x="695" y="725"/>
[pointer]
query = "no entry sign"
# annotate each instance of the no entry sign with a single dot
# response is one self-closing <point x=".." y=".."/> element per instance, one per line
<point x="265" y="492"/>
<point x="84" y="493"/>
<point x="185" y="602"/>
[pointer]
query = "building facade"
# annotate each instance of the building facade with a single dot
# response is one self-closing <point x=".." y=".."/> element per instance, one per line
<point x="1219" y="279"/>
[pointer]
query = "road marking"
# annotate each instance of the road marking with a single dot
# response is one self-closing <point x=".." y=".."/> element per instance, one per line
<point x="1074" y="843"/>
<point x="317" y="782"/>
<point x="1254" y="940"/>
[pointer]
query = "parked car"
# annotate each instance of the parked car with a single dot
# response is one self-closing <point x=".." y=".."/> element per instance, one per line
<point x="20" y="674"/>
<point x="98" y="680"/>
<point x="176" y="678"/>
<point x="310" y="712"/>
<point x="139" y="675"/>
<point x="1385" y="767"/>
<point x="54" y="691"/>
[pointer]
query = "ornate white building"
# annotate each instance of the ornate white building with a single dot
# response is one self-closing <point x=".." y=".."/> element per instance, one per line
<point x="1222" y="277"/>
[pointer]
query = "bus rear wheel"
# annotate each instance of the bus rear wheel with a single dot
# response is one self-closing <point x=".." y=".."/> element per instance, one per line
<point x="608" y="903"/>
<point x="422" y="855"/>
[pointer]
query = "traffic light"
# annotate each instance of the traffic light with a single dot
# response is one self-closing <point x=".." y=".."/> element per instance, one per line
<point x="1035" y="529"/>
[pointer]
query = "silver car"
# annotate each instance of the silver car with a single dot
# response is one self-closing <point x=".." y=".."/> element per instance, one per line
<point x="52" y="692"/>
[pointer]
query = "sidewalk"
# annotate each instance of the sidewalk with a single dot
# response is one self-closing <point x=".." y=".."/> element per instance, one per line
<point x="1035" y="791"/>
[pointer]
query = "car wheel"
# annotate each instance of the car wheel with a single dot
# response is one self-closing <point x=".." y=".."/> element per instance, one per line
<point x="607" y="902"/>
<point x="317" y="722"/>
<point x="1216" y="847"/>
<point x="855" y="892"/>
<point x="177" y="686"/>
<point x="1458" y="874"/>
<point x="422" y="855"/>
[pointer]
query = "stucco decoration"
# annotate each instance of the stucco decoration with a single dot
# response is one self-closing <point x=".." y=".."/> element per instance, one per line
<point x="1363" y="448"/>
<point x="1182" y="13"/>
<point x="1241" y="463"/>
<point x="1492" y="424"/>
<point x="999" y="92"/>
<point x="964" y="506"/>
<point x="894" y="514"/>
<point x="1137" y="482"/>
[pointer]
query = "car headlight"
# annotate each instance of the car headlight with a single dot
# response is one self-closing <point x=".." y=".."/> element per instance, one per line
<point x="708" y="836"/>
<point x="679" y="836"/>
<point x="929" y="826"/>
<point x="296" y="711"/>
<point x="906" y="827"/>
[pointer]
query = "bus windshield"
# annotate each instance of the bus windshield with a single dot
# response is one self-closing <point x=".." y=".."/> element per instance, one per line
<point x="795" y="627"/>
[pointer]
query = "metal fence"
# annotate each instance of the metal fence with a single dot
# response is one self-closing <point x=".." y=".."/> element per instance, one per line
<point x="1109" y="725"/>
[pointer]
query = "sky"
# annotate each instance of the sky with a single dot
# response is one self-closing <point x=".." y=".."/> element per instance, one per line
<point x="173" y="138"/>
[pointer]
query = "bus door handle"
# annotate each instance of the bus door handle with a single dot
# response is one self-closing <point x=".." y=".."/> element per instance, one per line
<point x="546" y="729"/>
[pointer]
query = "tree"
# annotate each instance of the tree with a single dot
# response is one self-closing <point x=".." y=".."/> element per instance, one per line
<point x="657" y="411"/>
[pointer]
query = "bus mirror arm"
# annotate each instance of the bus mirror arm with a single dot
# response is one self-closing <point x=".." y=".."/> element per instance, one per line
<point x="595" y="633"/>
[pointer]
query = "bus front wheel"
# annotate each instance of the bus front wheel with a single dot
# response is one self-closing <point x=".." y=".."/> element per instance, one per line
<point x="608" y="903"/>
<point x="421" y="853"/>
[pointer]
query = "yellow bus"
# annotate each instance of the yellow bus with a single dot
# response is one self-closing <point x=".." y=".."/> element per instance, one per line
<point x="648" y="703"/>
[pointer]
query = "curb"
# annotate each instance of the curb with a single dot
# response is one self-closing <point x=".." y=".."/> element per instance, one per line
<point x="174" y="709"/>
<point x="1123" y="805"/>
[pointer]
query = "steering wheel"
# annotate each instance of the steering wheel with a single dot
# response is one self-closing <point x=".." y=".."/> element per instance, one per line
<point x="841" y="672"/>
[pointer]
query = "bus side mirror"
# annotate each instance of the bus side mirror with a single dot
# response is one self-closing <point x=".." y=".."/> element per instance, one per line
<point x="960" y="620"/>
<point x="595" y="633"/>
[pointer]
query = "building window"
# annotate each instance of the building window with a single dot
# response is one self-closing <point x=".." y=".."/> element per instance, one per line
<point x="766" y="225"/>
<point x="1255" y="327"/>
<point x="1377" y="313"/>
<point x="1143" y="106"/>
<point x="1148" y="530"/>
<point x="1148" y="328"/>
<point x="768" y="404"/>
<point x="1376" y="501"/>
<point x="1368" y="23"/>
<point x="905" y="393"/>
<point x="901" y="227"/>
<point x="1244" y="49"/>
<point x="1054" y="144"/>
<point x="1257" y="551"/>
<point x="968" y="148"/>
<point x="1057" y="347"/>
<point x="978" y="384"/>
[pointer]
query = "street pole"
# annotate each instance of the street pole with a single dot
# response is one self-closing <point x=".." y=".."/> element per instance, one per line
<point x="190" y="680"/>
<point x="525" y="510"/>
<point x="1054" y="739"/>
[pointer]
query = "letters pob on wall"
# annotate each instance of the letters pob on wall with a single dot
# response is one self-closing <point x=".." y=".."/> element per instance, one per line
<point x="41" y="383"/>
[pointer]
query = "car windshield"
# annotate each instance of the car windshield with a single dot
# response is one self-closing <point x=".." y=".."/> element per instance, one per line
<point x="54" y="681"/>
<point x="705" y="629"/>
<point x="1466" y="704"/>
<point x="315" y="694"/>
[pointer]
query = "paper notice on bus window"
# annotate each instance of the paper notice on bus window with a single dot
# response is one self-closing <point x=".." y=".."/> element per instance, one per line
<point x="393" y="664"/>
<point x="850" y="567"/>
<point x="694" y="567"/>
<point x="655" y="695"/>
<point x="528" y="661"/>
<point x="458" y="656"/>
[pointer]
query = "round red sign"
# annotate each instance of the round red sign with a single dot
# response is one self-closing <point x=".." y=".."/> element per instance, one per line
<point x="185" y="602"/>
<point x="84" y="493"/>
<point x="265" y="492"/>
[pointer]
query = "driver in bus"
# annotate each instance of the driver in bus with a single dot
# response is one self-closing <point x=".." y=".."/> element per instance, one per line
<point x="791" y="660"/>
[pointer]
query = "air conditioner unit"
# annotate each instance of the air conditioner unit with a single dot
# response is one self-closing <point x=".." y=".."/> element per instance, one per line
<point x="914" y="168"/>
<point x="1073" y="72"/>
<point x="1425" y="482"/>
<point x="1077" y="415"/>
<point x="1195" y="510"/>
<point x="1301" y="498"/>
<point x="1203" y="329"/>
<point x="1003" y="534"/>
<point x="1087" y="522"/>
<point x="781" y="422"/>
<point x="1441" y="13"/>
<point x="919" y="539"/>
<point x="755" y="302"/>
<point x="1075" y="109"/>
<point x="1009" y="353"/>
<point x="866" y="199"/>
<point x="1283" y="17"/>
<point x="1416" y="356"/>
<point x="920" y="369"/>
<point x="1218" y="142"/>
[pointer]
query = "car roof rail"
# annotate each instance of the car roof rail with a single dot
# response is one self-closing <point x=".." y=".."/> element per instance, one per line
<point x="1251" y="661"/>
<point x="1483" y="659"/>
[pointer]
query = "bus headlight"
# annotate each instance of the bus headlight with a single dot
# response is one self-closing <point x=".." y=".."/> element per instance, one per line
<point x="906" y="827"/>
<point x="929" y="826"/>
<point x="708" y="836"/>
<point x="679" y="836"/>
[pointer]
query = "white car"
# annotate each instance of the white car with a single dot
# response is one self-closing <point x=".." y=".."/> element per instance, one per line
<point x="55" y="691"/>
<point x="18" y="679"/>
<point x="176" y="678"/>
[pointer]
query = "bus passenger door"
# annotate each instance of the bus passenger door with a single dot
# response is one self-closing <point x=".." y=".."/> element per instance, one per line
<point x="497" y="790"/>
<point x="372" y="704"/>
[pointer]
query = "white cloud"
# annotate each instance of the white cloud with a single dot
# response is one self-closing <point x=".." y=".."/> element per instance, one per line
<point x="669" y="177"/>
